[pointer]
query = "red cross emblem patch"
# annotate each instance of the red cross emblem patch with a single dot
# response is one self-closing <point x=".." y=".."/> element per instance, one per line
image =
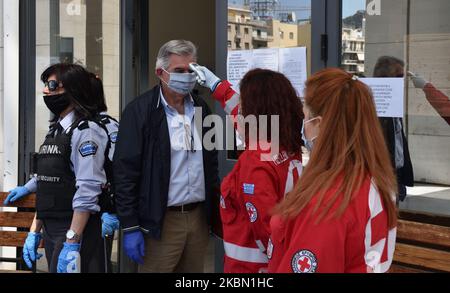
<point x="252" y="212"/>
<point x="304" y="262"/>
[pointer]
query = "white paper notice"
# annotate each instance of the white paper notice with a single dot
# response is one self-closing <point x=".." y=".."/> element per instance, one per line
<point x="239" y="63"/>
<point x="292" y="63"/>
<point x="265" y="59"/>
<point x="389" y="95"/>
<point x="289" y="61"/>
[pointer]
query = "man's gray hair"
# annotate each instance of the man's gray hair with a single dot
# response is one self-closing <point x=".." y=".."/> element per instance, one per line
<point x="177" y="47"/>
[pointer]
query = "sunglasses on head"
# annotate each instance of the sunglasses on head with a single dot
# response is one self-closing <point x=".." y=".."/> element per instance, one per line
<point x="53" y="85"/>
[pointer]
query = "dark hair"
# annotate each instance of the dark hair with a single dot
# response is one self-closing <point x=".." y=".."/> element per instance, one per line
<point x="265" y="92"/>
<point x="98" y="93"/>
<point x="387" y="65"/>
<point x="76" y="82"/>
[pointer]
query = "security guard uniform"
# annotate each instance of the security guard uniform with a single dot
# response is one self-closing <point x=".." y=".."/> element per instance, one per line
<point x="69" y="177"/>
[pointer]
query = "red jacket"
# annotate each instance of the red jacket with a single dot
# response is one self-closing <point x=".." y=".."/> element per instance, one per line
<point x="439" y="101"/>
<point x="357" y="242"/>
<point x="249" y="193"/>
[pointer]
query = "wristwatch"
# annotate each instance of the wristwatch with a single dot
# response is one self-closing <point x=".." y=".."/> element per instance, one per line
<point x="71" y="235"/>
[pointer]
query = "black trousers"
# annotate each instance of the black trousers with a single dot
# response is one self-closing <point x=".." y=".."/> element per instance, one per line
<point x="92" y="251"/>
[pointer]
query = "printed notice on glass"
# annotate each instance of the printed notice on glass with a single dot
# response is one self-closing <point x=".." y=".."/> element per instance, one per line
<point x="239" y="63"/>
<point x="389" y="95"/>
<point x="289" y="61"/>
<point x="265" y="59"/>
<point x="292" y="63"/>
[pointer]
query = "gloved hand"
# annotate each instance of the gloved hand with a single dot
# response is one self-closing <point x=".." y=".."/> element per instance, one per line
<point x="16" y="194"/>
<point x="110" y="223"/>
<point x="418" y="81"/>
<point x="134" y="245"/>
<point x="69" y="259"/>
<point x="30" y="249"/>
<point x="205" y="77"/>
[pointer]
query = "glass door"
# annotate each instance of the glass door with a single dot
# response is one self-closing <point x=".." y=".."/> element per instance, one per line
<point x="409" y="39"/>
<point x="82" y="32"/>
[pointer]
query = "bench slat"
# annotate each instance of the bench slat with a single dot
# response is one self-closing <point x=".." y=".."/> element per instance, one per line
<point x="402" y="269"/>
<point x="425" y="233"/>
<point x="16" y="220"/>
<point x="27" y="202"/>
<point x="15" y="272"/>
<point x="12" y="239"/>
<point x="423" y="257"/>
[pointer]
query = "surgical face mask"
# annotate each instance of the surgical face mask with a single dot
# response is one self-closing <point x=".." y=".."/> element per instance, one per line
<point x="181" y="83"/>
<point x="309" y="143"/>
<point x="57" y="103"/>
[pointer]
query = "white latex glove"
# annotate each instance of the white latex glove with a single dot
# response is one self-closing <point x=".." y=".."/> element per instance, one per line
<point x="418" y="81"/>
<point x="205" y="77"/>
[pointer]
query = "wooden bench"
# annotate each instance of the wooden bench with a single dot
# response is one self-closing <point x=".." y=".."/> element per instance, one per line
<point x="422" y="246"/>
<point x="20" y="220"/>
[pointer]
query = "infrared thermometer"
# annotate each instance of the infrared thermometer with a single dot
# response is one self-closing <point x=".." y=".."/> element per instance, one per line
<point x="201" y="78"/>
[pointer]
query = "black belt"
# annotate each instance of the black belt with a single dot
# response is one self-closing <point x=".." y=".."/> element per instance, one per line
<point x="185" y="208"/>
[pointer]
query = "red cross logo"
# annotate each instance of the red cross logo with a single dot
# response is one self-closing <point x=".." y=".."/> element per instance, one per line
<point x="304" y="261"/>
<point x="304" y="264"/>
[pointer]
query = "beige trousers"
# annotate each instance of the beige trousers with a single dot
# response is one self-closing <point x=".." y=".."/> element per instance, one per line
<point x="183" y="244"/>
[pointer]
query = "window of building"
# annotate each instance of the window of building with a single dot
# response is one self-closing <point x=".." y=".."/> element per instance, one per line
<point x="291" y="36"/>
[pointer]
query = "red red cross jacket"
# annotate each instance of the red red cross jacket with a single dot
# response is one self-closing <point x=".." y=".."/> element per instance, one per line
<point x="249" y="193"/>
<point x="357" y="242"/>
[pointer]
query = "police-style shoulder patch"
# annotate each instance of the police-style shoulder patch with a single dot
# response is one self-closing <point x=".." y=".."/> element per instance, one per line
<point x="88" y="148"/>
<point x="249" y="189"/>
<point x="252" y="212"/>
<point x="113" y="136"/>
<point x="304" y="261"/>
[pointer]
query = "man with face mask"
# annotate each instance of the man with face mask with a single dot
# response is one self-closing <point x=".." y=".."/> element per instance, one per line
<point x="164" y="178"/>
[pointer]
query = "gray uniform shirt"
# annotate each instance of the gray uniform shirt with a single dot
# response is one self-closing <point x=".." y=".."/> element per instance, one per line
<point x="88" y="159"/>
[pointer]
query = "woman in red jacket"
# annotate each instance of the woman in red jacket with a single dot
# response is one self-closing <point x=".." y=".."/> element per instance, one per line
<point x="340" y="217"/>
<point x="256" y="185"/>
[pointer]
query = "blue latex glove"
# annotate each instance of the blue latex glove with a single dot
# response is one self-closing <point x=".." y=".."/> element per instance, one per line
<point x="30" y="247"/>
<point x="110" y="223"/>
<point x="69" y="259"/>
<point x="16" y="194"/>
<point x="134" y="244"/>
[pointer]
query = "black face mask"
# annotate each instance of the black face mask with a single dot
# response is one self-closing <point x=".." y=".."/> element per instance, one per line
<point x="57" y="103"/>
